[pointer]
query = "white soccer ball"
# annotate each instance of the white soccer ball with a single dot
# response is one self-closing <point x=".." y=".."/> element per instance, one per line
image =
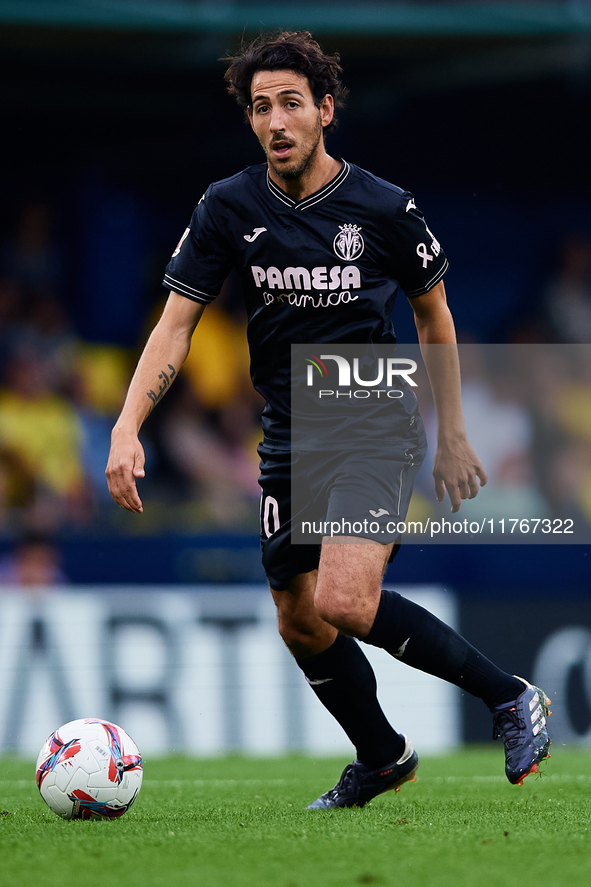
<point x="89" y="769"/>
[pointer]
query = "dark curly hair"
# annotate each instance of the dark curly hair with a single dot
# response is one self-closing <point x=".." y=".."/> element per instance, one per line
<point x="290" y="50"/>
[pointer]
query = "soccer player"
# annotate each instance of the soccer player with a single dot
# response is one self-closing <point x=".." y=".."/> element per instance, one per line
<point x="322" y="247"/>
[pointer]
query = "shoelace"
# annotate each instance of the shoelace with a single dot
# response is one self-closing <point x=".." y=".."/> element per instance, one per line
<point x="349" y="783"/>
<point x="508" y="725"/>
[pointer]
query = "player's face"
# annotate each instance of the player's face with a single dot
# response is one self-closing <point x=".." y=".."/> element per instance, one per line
<point x="287" y="122"/>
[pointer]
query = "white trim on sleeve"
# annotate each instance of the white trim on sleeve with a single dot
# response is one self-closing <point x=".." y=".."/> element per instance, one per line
<point x="185" y="290"/>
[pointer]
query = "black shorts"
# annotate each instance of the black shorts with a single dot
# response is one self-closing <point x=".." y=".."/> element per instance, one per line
<point x="343" y="494"/>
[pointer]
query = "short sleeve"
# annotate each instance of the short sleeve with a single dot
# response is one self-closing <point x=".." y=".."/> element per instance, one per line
<point x="202" y="260"/>
<point x="417" y="260"/>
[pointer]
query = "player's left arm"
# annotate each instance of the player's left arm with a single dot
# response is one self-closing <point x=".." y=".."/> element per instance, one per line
<point x="456" y="466"/>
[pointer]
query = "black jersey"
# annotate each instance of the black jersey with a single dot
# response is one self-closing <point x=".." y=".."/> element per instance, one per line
<point x="323" y="269"/>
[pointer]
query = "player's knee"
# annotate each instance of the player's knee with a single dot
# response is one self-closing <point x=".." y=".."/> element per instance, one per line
<point x="300" y="637"/>
<point x="338" y="609"/>
<point x="289" y="631"/>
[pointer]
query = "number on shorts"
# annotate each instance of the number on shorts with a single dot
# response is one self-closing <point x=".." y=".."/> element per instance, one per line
<point x="270" y="510"/>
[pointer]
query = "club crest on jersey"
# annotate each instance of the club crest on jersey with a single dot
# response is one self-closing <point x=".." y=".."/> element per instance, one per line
<point x="348" y="244"/>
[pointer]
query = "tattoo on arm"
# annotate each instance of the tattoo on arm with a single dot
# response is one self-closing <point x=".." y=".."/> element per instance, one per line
<point x="156" y="396"/>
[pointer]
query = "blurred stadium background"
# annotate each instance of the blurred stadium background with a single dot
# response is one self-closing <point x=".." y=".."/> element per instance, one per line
<point x="115" y="120"/>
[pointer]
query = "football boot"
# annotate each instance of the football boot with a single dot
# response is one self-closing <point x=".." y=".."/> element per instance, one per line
<point x="521" y="724"/>
<point x="358" y="784"/>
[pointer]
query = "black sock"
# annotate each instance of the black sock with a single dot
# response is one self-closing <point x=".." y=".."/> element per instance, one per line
<point x="415" y="636"/>
<point x="347" y="688"/>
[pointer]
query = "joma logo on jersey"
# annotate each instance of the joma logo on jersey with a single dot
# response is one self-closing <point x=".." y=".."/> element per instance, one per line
<point x="348" y="244"/>
<point x="321" y="278"/>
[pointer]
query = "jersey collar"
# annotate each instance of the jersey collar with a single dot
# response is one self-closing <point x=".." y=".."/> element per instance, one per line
<point x="313" y="199"/>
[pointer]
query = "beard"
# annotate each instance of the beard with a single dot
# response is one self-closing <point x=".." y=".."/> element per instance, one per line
<point x="297" y="169"/>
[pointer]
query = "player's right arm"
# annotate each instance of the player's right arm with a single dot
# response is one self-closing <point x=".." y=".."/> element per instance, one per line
<point x="162" y="358"/>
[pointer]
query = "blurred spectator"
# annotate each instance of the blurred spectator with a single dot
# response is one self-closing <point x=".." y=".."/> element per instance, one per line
<point x="99" y="374"/>
<point x="32" y="258"/>
<point x="104" y="371"/>
<point x="35" y="561"/>
<point x="59" y="397"/>
<point x="573" y="407"/>
<point x="567" y="300"/>
<point x="219" y="463"/>
<point x="218" y="362"/>
<point x="40" y="436"/>
<point x="32" y="314"/>
<point x="10" y="315"/>
<point x="559" y="400"/>
<point x="218" y="365"/>
<point x="567" y="486"/>
<point x="17" y="484"/>
<point x="500" y="429"/>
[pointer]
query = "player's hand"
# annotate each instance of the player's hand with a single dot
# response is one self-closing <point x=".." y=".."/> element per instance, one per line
<point x="125" y="465"/>
<point x="458" y="470"/>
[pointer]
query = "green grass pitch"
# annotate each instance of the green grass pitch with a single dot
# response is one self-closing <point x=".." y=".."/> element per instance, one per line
<point x="241" y="822"/>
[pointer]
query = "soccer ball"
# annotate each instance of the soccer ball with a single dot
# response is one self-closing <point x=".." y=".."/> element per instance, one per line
<point x="89" y="769"/>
